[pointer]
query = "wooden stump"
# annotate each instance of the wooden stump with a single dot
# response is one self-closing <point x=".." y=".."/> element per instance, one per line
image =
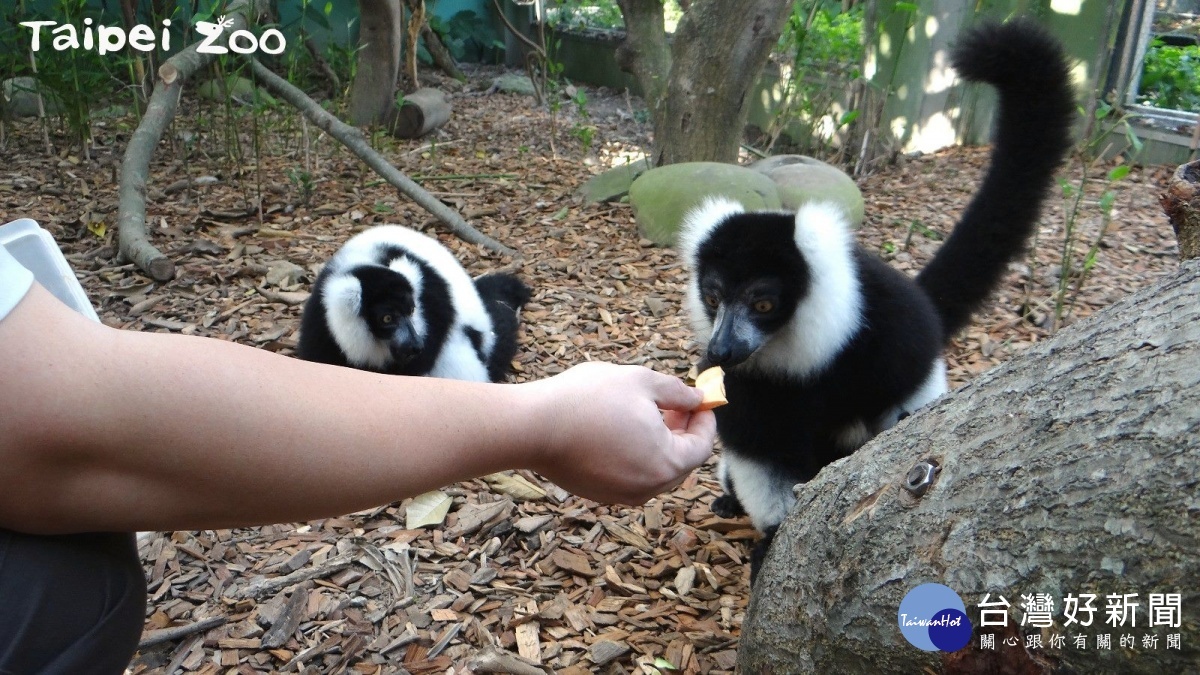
<point x="423" y="111"/>
<point x="1182" y="204"/>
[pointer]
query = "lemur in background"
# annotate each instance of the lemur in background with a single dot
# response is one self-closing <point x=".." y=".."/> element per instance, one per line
<point x="393" y="300"/>
<point x="823" y="344"/>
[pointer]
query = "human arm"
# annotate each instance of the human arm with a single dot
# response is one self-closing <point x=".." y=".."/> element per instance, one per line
<point x="102" y="429"/>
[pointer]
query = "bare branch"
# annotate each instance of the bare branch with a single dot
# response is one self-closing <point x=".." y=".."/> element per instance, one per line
<point x="353" y="139"/>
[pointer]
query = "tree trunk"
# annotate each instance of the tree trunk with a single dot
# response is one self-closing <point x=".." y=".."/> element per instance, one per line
<point x="416" y="19"/>
<point x="379" y="38"/>
<point x="1182" y="204"/>
<point x="1071" y="469"/>
<point x="714" y="62"/>
<point x="645" y="52"/>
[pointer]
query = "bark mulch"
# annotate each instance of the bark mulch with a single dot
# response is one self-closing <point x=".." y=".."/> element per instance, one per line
<point x="520" y="576"/>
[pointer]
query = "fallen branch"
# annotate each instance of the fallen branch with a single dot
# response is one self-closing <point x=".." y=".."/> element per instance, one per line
<point x="157" y="637"/>
<point x="353" y="140"/>
<point x="133" y="238"/>
<point x="335" y="83"/>
<point x="440" y="55"/>
<point x="261" y="587"/>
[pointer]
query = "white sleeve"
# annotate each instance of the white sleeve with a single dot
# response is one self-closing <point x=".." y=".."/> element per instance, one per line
<point x="15" y="281"/>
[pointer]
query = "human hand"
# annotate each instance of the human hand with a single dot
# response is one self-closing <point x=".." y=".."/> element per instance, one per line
<point x="620" y="434"/>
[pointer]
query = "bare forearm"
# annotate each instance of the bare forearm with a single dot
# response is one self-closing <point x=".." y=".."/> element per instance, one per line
<point x="112" y="430"/>
<point x="204" y="433"/>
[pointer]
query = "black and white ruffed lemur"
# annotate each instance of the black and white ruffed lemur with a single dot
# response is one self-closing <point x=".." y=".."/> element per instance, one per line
<point x="823" y="344"/>
<point x="393" y="300"/>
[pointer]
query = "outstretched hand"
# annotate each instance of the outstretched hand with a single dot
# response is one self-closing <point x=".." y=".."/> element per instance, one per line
<point x="621" y="434"/>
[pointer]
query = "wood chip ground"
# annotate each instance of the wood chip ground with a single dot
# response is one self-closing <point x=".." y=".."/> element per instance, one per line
<point x="537" y="582"/>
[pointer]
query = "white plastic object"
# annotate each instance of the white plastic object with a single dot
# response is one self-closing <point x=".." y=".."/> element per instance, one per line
<point x="37" y="251"/>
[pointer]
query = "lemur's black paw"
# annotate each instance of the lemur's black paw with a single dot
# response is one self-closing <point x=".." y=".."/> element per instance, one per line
<point x="727" y="506"/>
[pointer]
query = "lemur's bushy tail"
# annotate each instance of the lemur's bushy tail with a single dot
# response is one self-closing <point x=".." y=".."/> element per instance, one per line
<point x="503" y="288"/>
<point x="1036" y="105"/>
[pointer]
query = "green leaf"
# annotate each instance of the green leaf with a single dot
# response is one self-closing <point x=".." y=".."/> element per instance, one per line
<point x="1118" y="173"/>
<point x="909" y="7"/>
<point x="663" y="664"/>
<point x="317" y="17"/>
<point x="1107" y="200"/>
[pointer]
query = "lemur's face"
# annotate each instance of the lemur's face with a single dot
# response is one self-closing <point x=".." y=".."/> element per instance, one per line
<point x="750" y="278"/>
<point x="388" y="308"/>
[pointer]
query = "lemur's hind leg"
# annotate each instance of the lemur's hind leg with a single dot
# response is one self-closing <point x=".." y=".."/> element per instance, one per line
<point x="727" y="505"/>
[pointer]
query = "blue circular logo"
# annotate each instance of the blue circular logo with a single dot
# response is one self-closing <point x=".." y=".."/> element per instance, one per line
<point x="933" y="618"/>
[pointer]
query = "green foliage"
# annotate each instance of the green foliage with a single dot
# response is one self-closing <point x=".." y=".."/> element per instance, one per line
<point x="1171" y="77"/>
<point x="467" y="35"/>
<point x="824" y="46"/>
<point x="1073" y="271"/>
<point x="71" y="79"/>
<point x="303" y="183"/>
<point x="581" y="14"/>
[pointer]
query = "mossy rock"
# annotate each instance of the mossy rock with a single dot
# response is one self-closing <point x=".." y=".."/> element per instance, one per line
<point x="662" y="197"/>
<point x="20" y="98"/>
<point x="240" y="89"/>
<point x="614" y="183"/>
<point x="802" y="179"/>
<point x="512" y="83"/>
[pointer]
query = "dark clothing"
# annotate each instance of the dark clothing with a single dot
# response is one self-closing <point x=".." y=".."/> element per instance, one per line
<point x="70" y="603"/>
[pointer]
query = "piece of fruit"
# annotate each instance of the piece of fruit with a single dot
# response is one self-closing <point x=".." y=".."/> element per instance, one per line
<point x="712" y="384"/>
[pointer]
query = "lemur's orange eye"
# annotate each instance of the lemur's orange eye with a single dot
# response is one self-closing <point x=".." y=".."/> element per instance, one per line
<point x="712" y="301"/>
<point x="763" y="306"/>
<point x="388" y="319"/>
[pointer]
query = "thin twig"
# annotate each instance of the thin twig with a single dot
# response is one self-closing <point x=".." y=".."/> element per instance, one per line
<point x="157" y="637"/>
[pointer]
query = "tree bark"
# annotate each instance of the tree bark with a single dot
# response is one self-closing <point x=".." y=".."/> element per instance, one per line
<point x="441" y="56"/>
<point x="423" y="111"/>
<point x="416" y="19"/>
<point x="133" y="239"/>
<point x="1182" y="204"/>
<point x="380" y="32"/>
<point x="713" y="63"/>
<point x="1071" y="469"/>
<point x="645" y="52"/>
<point x="353" y="139"/>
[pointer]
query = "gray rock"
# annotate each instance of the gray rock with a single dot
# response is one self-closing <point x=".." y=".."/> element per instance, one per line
<point x="803" y="179"/>
<point x="614" y="183"/>
<point x="20" y="98"/>
<point x="284" y="274"/>
<point x="662" y="196"/>
<point x="512" y="83"/>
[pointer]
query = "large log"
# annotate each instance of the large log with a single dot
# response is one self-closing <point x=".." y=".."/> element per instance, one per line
<point x="1072" y="469"/>
<point x="423" y="111"/>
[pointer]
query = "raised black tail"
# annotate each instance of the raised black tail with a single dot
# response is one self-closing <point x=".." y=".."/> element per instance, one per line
<point x="1036" y="107"/>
